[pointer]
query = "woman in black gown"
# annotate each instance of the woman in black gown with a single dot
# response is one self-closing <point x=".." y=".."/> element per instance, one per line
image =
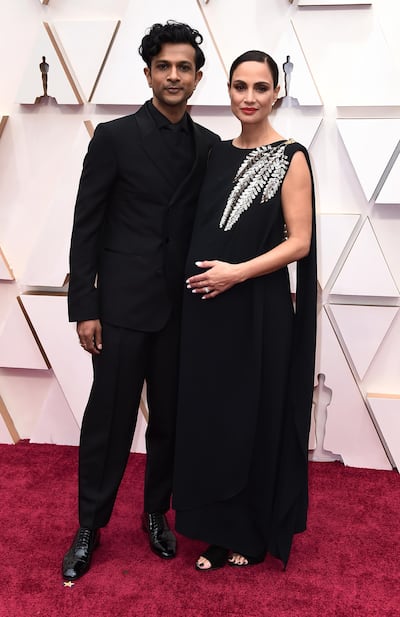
<point x="247" y="364"/>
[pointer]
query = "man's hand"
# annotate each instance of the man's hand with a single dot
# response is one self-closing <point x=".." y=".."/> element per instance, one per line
<point x="89" y="333"/>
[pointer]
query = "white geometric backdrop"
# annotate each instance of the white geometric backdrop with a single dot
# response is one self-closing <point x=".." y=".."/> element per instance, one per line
<point x="346" y="78"/>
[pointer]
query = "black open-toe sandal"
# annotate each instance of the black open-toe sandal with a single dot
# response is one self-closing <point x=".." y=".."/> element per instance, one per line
<point x="216" y="555"/>
<point x="250" y="561"/>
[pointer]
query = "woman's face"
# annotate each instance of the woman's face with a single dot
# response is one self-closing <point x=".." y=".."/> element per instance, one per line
<point x="252" y="92"/>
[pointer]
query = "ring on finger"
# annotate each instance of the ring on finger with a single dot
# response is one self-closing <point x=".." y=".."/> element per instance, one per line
<point x="207" y="290"/>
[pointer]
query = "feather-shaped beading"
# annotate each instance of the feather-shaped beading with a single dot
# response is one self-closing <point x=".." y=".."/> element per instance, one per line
<point x="262" y="171"/>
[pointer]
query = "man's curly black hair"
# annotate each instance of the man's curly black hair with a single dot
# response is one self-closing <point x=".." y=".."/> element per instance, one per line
<point x="171" y="32"/>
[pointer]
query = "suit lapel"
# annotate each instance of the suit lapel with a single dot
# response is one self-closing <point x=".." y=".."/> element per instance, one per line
<point x="156" y="150"/>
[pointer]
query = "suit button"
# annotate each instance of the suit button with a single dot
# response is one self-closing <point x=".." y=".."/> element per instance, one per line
<point x="166" y="240"/>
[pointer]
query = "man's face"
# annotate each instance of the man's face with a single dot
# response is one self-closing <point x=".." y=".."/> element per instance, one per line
<point x="173" y="77"/>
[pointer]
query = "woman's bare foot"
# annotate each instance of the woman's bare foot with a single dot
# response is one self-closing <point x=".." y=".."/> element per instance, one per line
<point x="203" y="564"/>
<point x="240" y="560"/>
<point x="236" y="559"/>
<point x="212" y="558"/>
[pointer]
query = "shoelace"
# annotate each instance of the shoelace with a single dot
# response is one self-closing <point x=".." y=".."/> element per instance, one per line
<point x="155" y="521"/>
<point x="83" y="538"/>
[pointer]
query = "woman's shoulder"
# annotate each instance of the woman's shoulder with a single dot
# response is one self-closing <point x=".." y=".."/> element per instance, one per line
<point x="292" y="146"/>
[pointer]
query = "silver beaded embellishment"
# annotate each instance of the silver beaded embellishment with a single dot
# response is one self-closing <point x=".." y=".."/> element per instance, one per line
<point x="263" y="170"/>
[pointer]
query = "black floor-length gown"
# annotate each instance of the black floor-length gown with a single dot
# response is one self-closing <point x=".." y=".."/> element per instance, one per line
<point x="247" y="367"/>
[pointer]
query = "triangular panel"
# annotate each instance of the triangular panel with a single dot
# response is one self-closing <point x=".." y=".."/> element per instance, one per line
<point x="352" y="40"/>
<point x="122" y="80"/>
<point x="8" y="432"/>
<point x="383" y="137"/>
<point x="363" y="329"/>
<point x="5" y="436"/>
<point x="390" y="193"/>
<point x="71" y="365"/>
<point x="365" y="272"/>
<point x="384" y="370"/>
<point x="368" y="52"/>
<point x="6" y="273"/>
<point x="86" y="62"/>
<point x="139" y="442"/>
<point x="290" y="122"/>
<point x="56" y="423"/>
<point x="18" y="347"/>
<point x="333" y="232"/>
<point x="48" y="264"/>
<point x="3" y="123"/>
<point x="386" y="224"/>
<point x="349" y="428"/>
<point x="386" y="410"/>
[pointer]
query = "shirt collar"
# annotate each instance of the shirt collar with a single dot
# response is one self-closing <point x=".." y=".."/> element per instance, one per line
<point x="162" y="121"/>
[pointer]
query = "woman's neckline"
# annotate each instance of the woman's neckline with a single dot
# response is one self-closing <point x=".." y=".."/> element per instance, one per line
<point x="272" y="143"/>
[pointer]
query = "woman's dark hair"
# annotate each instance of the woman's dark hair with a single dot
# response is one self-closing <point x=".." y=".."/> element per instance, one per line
<point x="256" y="56"/>
<point x="171" y="32"/>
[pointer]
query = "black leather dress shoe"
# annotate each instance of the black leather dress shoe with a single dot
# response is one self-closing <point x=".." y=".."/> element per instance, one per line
<point x="77" y="560"/>
<point x="162" y="540"/>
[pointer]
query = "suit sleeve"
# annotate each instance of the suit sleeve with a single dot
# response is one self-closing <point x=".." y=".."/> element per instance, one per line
<point x="97" y="179"/>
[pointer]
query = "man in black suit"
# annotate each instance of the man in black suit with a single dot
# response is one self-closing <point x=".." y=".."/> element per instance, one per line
<point x="133" y="217"/>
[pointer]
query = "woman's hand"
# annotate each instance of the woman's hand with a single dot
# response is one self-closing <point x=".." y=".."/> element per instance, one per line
<point x="219" y="276"/>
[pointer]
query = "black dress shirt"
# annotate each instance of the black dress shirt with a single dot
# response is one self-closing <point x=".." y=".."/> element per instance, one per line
<point x="179" y="143"/>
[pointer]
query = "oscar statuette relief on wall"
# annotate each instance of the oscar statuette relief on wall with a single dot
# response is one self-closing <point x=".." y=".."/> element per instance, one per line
<point x="44" y="71"/>
<point x="287" y="100"/>
<point x="299" y="104"/>
<point x="47" y="79"/>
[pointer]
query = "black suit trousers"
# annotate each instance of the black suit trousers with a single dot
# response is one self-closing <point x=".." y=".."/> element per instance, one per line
<point x="127" y="359"/>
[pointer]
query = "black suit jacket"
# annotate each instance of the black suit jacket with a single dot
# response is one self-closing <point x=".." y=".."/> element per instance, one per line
<point x="131" y="226"/>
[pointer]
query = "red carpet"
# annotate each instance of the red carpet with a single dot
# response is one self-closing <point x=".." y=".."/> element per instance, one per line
<point x="346" y="565"/>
